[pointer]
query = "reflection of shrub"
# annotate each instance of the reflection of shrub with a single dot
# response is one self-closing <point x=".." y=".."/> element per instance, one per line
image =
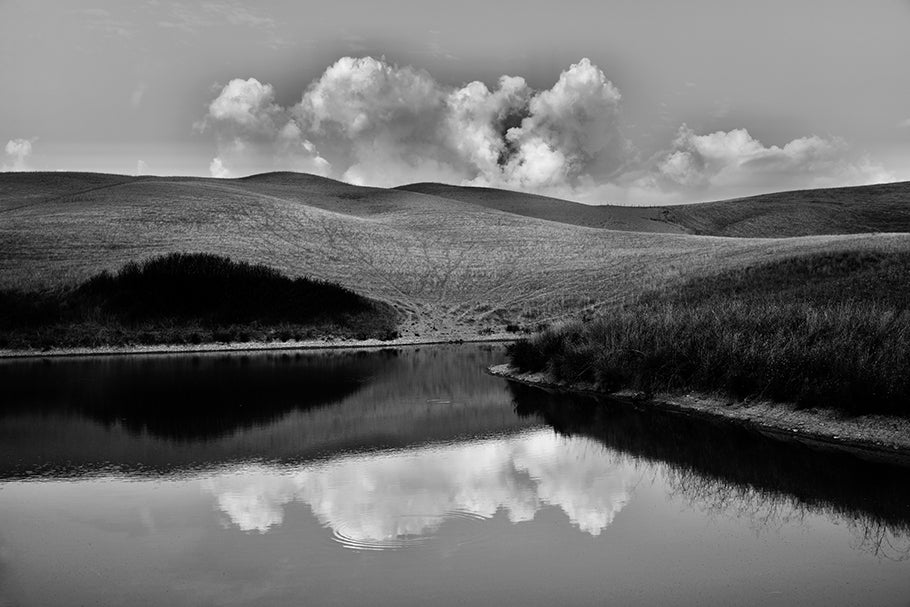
<point x="840" y="339"/>
<point x="193" y="298"/>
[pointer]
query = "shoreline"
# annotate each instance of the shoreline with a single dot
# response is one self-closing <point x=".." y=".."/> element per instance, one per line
<point x="313" y="344"/>
<point x="876" y="437"/>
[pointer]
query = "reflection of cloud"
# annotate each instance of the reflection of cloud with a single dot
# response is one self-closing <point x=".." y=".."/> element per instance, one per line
<point x="381" y="498"/>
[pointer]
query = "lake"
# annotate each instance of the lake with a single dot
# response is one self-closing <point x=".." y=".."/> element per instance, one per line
<point x="411" y="477"/>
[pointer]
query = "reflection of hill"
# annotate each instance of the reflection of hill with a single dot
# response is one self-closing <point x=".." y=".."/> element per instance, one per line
<point x="166" y="414"/>
<point x="721" y="464"/>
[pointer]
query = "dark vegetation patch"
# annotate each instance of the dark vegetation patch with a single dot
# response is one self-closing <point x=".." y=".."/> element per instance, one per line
<point x="720" y="465"/>
<point x="824" y="330"/>
<point x="189" y="298"/>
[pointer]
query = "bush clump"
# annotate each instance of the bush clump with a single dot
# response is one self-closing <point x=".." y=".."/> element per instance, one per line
<point x="188" y="298"/>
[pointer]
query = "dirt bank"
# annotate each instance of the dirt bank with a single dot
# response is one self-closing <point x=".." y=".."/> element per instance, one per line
<point x="253" y="346"/>
<point x="871" y="436"/>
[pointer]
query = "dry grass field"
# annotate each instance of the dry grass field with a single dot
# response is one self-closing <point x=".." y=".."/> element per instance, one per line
<point x="457" y="262"/>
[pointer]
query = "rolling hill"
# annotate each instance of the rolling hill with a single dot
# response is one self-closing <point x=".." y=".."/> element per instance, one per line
<point x="456" y="261"/>
<point x="849" y="210"/>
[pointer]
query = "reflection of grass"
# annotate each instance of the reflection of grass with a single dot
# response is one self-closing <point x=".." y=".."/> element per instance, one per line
<point x="827" y="330"/>
<point x="727" y="468"/>
<point x="188" y="298"/>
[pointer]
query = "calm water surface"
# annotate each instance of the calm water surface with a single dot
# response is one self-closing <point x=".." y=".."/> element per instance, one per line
<point x="411" y="477"/>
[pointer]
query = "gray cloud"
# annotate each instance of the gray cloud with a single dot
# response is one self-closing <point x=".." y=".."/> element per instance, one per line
<point x="104" y="21"/>
<point x="367" y="121"/>
<point x="137" y="95"/>
<point x="193" y="18"/>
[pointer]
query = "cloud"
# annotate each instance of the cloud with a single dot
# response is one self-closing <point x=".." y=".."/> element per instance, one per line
<point x="104" y="21"/>
<point x="367" y="121"/>
<point x="904" y="124"/>
<point x="17" y="153"/>
<point x="255" y="134"/>
<point x="731" y="163"/>
<point x="137" y="95"/>
<point x="217" y="169"/>
<point x="386" y="499"/>
<point x="141" y="168"/>
<point x="370" y="122"/>
<point x="193" y="17"/>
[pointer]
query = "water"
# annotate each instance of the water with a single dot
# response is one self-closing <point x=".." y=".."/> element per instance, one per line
<point x="411" y="477"/>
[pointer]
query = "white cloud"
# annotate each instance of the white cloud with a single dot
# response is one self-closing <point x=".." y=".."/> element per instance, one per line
<point x="383" y="499"/>
<point x="572" y="130"/>
<point x="733" y="163"/>
<point x="217" y="169"/>
<point x="17" y="154"/>
<point x="141" y="168"/>
<point x="370" y="122"/>
<point x="254" y="134"/>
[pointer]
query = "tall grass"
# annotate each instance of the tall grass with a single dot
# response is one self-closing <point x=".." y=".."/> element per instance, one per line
<point x="188" y="297"/>
<point x="830" y="331"/>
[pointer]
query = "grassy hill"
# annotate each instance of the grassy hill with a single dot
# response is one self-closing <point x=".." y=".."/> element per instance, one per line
<point x="851" y="210"/>
<point x="452" y="262"/>
<point x="609" y="217"/>
<point x="873" y="208"/>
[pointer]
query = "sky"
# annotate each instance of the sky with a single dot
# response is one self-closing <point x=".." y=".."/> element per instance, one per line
<point x="644" y="102"/>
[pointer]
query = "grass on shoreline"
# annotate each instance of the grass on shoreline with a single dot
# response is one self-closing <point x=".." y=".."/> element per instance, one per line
<point x="189" y="298"/>
<point x="823" y="330"/>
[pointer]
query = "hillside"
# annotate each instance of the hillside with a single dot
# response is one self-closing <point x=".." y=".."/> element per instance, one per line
<point x="871" y="208"/>
<point x="454" y="268"/>
<point x="851" y="210"/>
<point x="609" y="217"/>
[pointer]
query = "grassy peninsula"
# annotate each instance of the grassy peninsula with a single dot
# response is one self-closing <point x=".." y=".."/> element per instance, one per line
<point x="828" y="330"/>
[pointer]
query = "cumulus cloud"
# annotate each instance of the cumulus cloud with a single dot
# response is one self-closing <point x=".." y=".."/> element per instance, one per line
<point x="370" y="122"/>
<point x="142" y="168"/>
<point x="376" y="122"/>
<point x="735" y="163"/>
<point x="217" y="169"/>
<point x="384" y="499"/>
<point x="17" y="154"/>
<point x="254" y="134"/>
